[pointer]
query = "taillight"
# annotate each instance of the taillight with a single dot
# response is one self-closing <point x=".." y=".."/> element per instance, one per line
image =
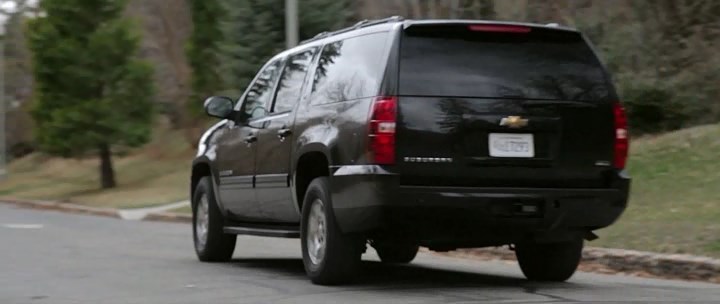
<point x="499" y="28"/>
<point x="622" y="136"/>
<point x="382" y="130"/>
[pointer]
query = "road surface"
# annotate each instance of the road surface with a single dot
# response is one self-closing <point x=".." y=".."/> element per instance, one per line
<point x="52" y="257"/>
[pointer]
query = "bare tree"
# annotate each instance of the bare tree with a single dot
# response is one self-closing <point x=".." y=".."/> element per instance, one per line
<point x="166" y="27"/>
<point x="18" y="84"/>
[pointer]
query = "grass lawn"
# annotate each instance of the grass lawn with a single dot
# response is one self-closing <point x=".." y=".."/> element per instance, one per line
<point x="153" y="175"/>
<point x="675" y="197"/>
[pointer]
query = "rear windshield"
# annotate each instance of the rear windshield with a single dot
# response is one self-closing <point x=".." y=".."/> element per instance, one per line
<point x="455" y="61"/>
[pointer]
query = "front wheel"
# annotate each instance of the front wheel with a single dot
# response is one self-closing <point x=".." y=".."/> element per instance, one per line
<point x="330" y="257"/>
<point x="550" y="262"/>
<point x="212" y="244"/>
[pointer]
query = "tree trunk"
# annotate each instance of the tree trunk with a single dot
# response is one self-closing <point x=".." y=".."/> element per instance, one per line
<point x="415" y="9"/>
<point x="432" y="9"/>
<point x="107" y="173"/>
<point x="487" y="10"/>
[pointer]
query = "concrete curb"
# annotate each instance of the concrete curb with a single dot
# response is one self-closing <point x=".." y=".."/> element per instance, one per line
<point x="621" y="261"/>
<point x="59" y="206"/>
<point x="135" y="214"/>
<point x="169" y="217"/>
<point x="81" y="209"/>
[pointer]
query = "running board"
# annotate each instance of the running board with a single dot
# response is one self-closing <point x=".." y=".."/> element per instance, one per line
<point x="281" y="232"/>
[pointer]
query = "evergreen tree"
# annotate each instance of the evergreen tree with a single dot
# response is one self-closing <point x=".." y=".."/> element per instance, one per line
<point x="254" y="31"/>
<point x="203" y="49"/>
<point x="91" y="91"/>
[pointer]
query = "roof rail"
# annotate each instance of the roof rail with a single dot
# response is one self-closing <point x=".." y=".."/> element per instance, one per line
<point x="320" y="34"/>
<point x="366" y="22"/>
<point x="360" y="24"/>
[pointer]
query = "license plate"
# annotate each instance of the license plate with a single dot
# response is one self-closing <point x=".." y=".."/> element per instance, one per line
<point x="511" y="145"/>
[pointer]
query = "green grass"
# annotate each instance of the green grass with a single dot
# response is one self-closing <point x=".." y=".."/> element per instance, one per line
<point x="675" y="198"/>
<point x="153" y="175"/>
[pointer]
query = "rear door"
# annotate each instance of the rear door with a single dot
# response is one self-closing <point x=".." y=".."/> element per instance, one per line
<point x="502" y="106"/>
<point x="274" y="143"/>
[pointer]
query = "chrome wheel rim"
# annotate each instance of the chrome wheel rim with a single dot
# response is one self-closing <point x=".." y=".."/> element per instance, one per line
<point x="316" y="232"/>
<point x="202" y="219"/>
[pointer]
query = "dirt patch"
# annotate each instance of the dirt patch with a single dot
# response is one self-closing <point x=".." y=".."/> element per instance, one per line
<point x="625" y="262"/>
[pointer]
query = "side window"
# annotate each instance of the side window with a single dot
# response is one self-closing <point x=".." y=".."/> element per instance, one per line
<point x="350" y="69"/>
<point x="260" y="92"/>
<point x="291" y="81"/>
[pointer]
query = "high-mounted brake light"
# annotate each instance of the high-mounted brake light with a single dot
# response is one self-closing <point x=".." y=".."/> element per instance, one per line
<point x="382" y="130"/>
<point x="622" y="136"/>
<point x="499" y="28"/>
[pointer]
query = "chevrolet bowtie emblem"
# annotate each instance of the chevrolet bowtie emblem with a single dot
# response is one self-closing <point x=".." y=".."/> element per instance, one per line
<point x="514" y="122"/>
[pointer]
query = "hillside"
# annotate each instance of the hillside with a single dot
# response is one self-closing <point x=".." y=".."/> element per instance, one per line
<point x="155" y="174"/>
<point x="675" y="197"/>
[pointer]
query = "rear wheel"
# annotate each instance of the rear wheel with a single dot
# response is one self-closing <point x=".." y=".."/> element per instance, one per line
<point x="551" y="262"/>
<point x="330" y="257"/>
<point x="211" y="243"/>
<point x="396" y="253"/>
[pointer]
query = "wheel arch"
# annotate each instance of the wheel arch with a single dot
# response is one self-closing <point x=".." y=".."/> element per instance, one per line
<point x="312" y="162"/>
<point x="201" y="167"/>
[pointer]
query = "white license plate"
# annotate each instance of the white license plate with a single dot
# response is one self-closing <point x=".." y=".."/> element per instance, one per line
<point x="511" y="145"/>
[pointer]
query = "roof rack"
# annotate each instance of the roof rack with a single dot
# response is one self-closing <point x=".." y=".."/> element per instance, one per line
<point x="360" y="24"/>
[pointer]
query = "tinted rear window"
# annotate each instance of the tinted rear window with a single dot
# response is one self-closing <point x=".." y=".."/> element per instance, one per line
<point x="542" y="64"/>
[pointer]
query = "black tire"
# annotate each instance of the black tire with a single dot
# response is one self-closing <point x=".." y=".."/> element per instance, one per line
<point x="396" y="253"/>
<point x="219" y="246"/>
<point x="341" y="259"/>
<point x="550" y="262"/>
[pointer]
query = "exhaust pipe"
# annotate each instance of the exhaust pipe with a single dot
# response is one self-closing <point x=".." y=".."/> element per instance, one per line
<point x="590" y="236"/>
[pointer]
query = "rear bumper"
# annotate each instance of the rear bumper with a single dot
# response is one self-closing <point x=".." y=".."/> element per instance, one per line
<point x="368" y="199"/>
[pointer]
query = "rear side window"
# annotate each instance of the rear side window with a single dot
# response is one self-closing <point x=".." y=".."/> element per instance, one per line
<point x="350" y="69"/>
<point x="455" y="61"/>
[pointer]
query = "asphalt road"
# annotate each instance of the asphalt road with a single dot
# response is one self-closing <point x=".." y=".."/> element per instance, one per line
<point x="52" y="257"/>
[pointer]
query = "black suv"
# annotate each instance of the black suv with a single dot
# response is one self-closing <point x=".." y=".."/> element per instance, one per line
<point x="403" y="133"/>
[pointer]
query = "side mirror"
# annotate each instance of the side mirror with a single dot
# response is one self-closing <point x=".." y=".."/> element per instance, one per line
<point x="219" y="106"/>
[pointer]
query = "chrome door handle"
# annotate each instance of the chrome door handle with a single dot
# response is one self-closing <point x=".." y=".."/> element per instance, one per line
<point x="282" y="133"/>
<point x="250" y="139"/>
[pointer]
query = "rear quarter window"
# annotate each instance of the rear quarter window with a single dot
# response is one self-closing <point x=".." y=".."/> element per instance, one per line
<point x="350" y="69"/>
<point x="543" y="64"/>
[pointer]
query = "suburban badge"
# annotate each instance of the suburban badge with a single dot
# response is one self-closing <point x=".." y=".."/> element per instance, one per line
<point x="428" y="159"/>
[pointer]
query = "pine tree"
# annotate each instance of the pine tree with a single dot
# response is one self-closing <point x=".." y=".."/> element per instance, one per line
<point x="91" y="91"/>
<point x="203" y="51"/>
<point x="254" y="31"/>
